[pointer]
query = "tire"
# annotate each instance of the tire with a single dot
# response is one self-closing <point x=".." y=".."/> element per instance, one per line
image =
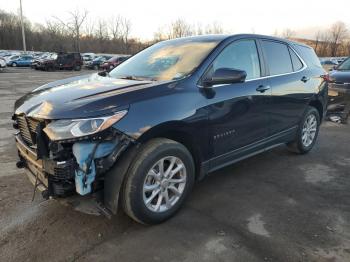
<point x="299" y="145"/>
<point x="77" y="68"/>
<point x="14" y="64"/>
<point x="95" y="67"/>
<point x="142" y="176"/>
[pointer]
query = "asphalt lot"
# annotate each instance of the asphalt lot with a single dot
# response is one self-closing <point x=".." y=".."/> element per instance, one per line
<point x="276" y="206"/>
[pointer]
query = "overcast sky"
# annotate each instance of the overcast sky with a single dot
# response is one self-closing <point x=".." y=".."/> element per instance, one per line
<point x="263" y="17"/>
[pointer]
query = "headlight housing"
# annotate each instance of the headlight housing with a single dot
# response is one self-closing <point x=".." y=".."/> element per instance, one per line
<point x="74" y="128"/>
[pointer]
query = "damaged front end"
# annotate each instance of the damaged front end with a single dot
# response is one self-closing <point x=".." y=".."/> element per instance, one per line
<point x="64" y="158"/>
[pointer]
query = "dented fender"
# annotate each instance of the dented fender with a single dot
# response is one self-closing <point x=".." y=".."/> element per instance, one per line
<point x="114" y="178"/>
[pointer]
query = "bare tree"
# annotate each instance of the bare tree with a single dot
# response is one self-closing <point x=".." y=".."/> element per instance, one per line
<point x="214" y="28"/>
<point x="317" y="40"/>
<point x="101" y="31"/>
<point x="288" y="33"/>
<point x="75" y="23"/>
<point x="338" y="33"/>
<point x="347" y="47"/>
<point x="126" y="27"/>
<point x="89" y="28"/>
<point x="180" y="28"/>
<point x="115" y="26"/>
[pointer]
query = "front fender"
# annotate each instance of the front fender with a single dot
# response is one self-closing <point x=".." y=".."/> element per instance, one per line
<point x="115" y="176"/>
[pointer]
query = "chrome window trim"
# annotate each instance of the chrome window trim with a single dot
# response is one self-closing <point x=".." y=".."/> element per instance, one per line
<point x="270" y="76"/>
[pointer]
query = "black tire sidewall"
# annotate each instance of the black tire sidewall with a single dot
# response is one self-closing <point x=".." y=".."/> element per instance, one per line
<point x="309" y="111"/>
<point x="137" y="176"/>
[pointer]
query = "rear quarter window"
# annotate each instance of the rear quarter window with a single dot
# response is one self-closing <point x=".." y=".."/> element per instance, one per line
<point x="308" y="55"/>
<point x="297" y="64"/>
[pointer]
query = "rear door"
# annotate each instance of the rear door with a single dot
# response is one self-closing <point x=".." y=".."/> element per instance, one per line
<point x="288" y="78"/>
<point x="237" y="112"/>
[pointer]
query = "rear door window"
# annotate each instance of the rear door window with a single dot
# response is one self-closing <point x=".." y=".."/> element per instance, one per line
<point x="278" y="57"/>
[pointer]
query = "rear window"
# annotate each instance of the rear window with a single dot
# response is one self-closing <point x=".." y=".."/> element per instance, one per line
<point x="278" y="58"/>
<point x="308" y="55"/>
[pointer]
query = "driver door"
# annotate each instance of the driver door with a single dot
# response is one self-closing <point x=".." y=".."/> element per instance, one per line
<point x="238" y="112"/>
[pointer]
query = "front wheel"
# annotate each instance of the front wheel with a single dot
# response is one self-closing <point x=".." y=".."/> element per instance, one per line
<point x="158" y="181"/>
<point x="307" y="132"/>
<point x="14" y="64"/>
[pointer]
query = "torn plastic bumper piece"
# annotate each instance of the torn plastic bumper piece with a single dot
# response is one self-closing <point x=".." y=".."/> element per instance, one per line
<point x="85" y="153"/>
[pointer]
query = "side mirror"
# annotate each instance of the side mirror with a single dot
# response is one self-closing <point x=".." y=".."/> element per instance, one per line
<point x="225" y="76"/>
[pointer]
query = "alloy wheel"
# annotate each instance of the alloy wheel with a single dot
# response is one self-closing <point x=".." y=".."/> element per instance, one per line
<point x="164" y="184"/>
<point x="309" y="130"/>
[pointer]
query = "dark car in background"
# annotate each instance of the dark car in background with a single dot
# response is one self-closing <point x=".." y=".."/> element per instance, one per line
<point x="97" y="62"/>
<point x="339" y="91"/>
<point x="40" y="59"/>
<point x="67" y="61"/>
<point x="24" y="60"/>
<point x="142" y="134"/>
<point x="113" y="62"/>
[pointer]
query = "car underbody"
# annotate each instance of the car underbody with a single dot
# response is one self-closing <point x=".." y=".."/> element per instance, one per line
<point x="64" y="169"/>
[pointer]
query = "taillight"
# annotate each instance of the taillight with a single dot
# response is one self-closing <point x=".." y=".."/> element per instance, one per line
<point x="325" y="77"/>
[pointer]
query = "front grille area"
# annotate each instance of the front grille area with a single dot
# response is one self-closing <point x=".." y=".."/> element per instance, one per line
<point x="27" y="128"/>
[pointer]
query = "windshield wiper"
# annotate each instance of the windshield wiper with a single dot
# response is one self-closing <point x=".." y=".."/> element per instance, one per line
<point x="137" y="78"/>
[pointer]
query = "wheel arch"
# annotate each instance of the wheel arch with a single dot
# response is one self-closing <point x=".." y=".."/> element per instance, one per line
<point x="319" y="106"/>
<point x="180" y="132"/>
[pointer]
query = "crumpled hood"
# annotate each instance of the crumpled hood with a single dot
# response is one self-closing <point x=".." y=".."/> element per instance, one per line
<point x="79" y="97"/>
<point x="339" y="76"/>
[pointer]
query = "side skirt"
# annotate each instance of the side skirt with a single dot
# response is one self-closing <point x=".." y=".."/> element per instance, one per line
<point x="249" y="150"/>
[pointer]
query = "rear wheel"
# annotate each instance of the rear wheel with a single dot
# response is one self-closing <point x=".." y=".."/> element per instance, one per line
<point x="95" y="67"/>
<point x="77" y="68"/>
<point x="307" y="132"/>
<point x="158" y="181"/>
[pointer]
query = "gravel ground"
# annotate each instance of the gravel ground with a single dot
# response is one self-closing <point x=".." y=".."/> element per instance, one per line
<point x="275" y="206"/>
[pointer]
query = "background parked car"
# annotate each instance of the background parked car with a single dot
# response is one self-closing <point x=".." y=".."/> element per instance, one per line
<point x="88" y="57"/>
<point x="328" y="64"/>
<point x="97" y="62"/>
<point x="68" y="61"/>
<point x="42" y="59"/>
<point x="113" y="62"/>
<point x="24" y="60"/>
<point x="339" y="92"/>
<point x="11" y="57"/>
<point x="2" y="63"/>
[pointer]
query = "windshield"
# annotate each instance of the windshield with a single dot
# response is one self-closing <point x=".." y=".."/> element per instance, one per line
<point x="168" y="60"/>
<point x="345" y="65"/>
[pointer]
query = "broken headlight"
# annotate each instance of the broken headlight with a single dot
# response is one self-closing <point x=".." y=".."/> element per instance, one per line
<point x="74" y="128"/>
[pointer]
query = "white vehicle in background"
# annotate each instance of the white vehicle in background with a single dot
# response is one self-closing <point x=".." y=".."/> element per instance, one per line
<point x="2" y="63"/>
<point x="11" y="57"/>
<point x="88" y="57"/>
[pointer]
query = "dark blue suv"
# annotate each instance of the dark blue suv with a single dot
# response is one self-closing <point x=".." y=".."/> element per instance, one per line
<point x="142" y="134"/>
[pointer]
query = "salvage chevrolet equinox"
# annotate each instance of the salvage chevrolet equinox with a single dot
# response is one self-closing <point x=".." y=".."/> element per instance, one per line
<point x="142" y="134"/>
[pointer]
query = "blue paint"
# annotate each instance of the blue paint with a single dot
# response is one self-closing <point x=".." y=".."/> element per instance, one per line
<point x="82" y="152"/>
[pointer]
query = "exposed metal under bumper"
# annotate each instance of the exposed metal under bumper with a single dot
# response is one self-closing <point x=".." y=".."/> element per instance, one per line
<point x="34" y="169"/>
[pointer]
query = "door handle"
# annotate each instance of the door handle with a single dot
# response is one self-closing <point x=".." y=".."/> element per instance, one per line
<point x="262" y="88"/>
<point x="305" y="79"/>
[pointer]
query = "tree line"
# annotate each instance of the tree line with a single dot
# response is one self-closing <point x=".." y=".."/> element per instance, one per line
<point x="112" y="35"/>
<point x="331" y="42"/>
<point x="76" y="33"/>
